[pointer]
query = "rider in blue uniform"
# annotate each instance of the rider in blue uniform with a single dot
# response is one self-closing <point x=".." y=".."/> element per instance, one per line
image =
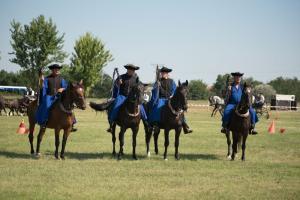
<point x="122" y="88"/>
<point x="162" y="91"/>
<point x="233" y="97"/>
<point x="52" y="87"/>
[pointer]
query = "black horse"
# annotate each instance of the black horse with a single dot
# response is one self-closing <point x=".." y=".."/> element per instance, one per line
<point x="240" y="124"/>
<point x="129" y="116"/>
<point x="172" y="116"/>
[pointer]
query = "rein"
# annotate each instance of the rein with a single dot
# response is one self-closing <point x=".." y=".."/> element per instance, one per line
<point x="63" y="108"/>
<point x="133" y="114"/>
<point x="177" y="113"/>
<point x="242" y="115"/>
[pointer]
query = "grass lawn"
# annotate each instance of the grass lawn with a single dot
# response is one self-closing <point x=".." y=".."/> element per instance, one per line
<point x="271" y="170"/>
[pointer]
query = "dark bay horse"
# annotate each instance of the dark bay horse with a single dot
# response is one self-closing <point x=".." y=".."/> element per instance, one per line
<point x="240" y="124"/>
<point x="171" y="118"/>
<point x="60" y="117"/>
<point x="129" y="116"/>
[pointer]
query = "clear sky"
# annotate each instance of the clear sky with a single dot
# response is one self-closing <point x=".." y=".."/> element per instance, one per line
<point x="198" y="39"/>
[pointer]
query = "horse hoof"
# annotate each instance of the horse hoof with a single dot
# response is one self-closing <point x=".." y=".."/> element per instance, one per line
<point x="62" y="157"/>
<point x="38" y="155"/>
<point x="114" y="154"/>
<point x="156" y="152"/>
<point x="166" y="159"/>
<point x="243" y="159"/>
<point x="149" y="154"/>
<point x="229" y="157"/>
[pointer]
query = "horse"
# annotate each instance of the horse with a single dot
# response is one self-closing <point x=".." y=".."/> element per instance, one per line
<point x="129" y="116"/>
<point x="218" y="104"/>
<point x="172" y="115"/>
<point x="18" y="106"/>
<point x="60" y="117"/>
<point x="2" y="105"/>
<point x="240" y="124"/>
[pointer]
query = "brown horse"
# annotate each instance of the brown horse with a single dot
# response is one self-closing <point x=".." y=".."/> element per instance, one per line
<point x="240" y="123"/>
<point x="172" y="116"/>
<point x="60" y="117"/>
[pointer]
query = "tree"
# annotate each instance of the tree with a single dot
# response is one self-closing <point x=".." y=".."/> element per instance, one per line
<point x="220" y="85"/>
<point x="265" y="89"/>
<point x="286" y="85"/>
<point x="88" y="60"/>
<point x="36" y="45"/>
<point x="197" y="90"/>
<point x="102" y="89"/>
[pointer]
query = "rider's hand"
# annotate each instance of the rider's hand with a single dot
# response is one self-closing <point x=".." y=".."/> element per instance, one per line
<point x="60" y="90"/>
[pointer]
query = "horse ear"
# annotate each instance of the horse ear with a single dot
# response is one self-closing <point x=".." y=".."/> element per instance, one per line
<point x="179" y="83"/>
<point x="186" y="82"/>
<point x="137" y="80"/>
<point x="81" y="82"/>
<point x="73" y="85"/>
<point x="245" y="85"/>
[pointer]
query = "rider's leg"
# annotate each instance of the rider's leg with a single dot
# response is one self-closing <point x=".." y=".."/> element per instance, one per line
<point x="226" y="118"/>
<point x="254" y="120"/>
<point x="186" y="128"/>
<point x="74" y="129"/>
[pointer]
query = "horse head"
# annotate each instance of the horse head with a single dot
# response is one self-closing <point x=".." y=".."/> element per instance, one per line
<point x="180" y="95"/>
<point x="245" y="102"/>
<point x="136" y="95"/>
<point x="77" y="94"/>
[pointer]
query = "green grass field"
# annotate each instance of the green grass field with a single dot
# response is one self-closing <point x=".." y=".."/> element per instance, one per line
<point x="271" y="170"/>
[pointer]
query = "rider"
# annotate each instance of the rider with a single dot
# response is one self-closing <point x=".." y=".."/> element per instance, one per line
<point x="122" y="88"/>
<point x="52" y="87"/>
<point x="162" y="91"/>
<point x="259" y="100"/>
<point x="233" y="97"/>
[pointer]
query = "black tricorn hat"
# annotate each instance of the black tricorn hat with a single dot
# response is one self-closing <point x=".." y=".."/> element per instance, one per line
<point x="165" y="69"/>
<point x="54" y="66"/>
<point x="237" y="74"/>
<point x="131" y="66"/>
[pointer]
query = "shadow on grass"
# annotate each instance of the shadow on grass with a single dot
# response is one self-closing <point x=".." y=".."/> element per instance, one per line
<point x="198" y="157"/>
<point x="15" y="155"/>
<point x="106" y="155"/>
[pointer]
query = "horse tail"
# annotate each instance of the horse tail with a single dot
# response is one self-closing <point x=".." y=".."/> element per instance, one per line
<point x="100" y="106"/>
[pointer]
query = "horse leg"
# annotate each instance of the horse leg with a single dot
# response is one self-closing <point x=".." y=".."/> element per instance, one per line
<point x="56" y="143"/>
<point x="30" y="137"/>
<point x="244" y="147"/>
<point x="177" y="135"/>
<point x="148" y="139"/>
<point x="228" y="145"/>
<point x="166" y="143"/>
<point x="156" y="134"/>
<point x="64" y="142"/>
<point x="121" y="139"/>
<point x="134" y="134"/>
<point x="113" y="138"/>
<point x="234" y="145"/>
<point x="39" y="139"/>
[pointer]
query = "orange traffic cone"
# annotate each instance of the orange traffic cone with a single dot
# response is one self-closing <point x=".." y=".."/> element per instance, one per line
<point x="22" y="128"/>
<point x="271" y="129"/>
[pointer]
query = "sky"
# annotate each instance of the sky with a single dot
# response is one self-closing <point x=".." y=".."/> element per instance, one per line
<point x="197" y="39"/>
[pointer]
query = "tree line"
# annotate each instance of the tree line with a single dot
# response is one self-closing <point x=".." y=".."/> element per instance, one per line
<point x="39" y="43"/>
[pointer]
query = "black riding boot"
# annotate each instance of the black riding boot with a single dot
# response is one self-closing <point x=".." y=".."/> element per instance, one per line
<point x="186" y="128"/>
<point x="252" y="131"/>
<point x="74" y="129"/>
<point x="110" y="127"/>
<point x="225" y="129"/>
